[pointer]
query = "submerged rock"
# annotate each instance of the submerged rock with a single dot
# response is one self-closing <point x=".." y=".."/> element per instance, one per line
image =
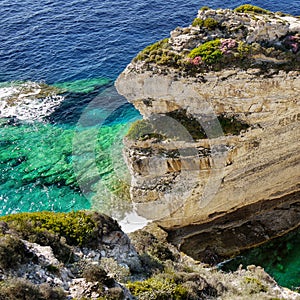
<point x="232" y="76"/>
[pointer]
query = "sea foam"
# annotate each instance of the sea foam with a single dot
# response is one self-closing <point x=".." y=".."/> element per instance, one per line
<point x="28" y="100"/>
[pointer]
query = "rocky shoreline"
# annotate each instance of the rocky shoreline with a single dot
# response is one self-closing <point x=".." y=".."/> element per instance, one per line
<point x="85" y="255"/>
<point x="215" y="164"/>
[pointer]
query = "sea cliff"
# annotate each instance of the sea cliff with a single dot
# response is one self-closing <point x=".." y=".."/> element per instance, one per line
<point x="215" y="162"/>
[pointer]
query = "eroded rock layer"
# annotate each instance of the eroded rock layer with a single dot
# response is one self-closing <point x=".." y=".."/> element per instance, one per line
<point x="237" y="185"/>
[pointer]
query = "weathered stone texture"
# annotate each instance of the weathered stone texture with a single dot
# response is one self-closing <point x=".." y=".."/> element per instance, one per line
<point x="261" y="165"/>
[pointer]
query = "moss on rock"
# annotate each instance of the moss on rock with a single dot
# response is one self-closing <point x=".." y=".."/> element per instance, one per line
<point x="210" y="54"/>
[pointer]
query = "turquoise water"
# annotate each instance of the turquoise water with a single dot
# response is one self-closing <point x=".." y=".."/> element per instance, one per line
<point x="61" y="120"/>
<point x="279" y="257"/>
<point x="48" y="164"/>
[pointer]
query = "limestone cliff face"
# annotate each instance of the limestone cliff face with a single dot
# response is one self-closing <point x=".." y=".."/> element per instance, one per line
<point x="239" y="185"/>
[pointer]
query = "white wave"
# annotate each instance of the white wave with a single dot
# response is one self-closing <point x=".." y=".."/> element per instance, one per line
<point x="28" y="100"/>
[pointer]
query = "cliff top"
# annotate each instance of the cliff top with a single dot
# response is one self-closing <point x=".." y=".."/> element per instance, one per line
<point x="246" y="37"/>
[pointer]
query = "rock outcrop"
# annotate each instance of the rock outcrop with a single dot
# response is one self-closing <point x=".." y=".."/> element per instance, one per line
<point x="85" y="255"/>
<point x="232" y="76"/>
<point x="64" y="256"/>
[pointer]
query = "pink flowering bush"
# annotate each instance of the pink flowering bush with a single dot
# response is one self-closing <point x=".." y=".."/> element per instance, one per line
<point x="197" y="61"/>
<point x="227" y="45"/>
<point x="293" y="42"/>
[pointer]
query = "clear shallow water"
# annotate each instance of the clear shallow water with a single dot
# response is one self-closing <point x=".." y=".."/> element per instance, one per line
<point x="64" y="153"/>
<point x="279" y="257"/>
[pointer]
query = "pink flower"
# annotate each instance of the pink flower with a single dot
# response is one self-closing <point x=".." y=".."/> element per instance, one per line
<point x="227" y="44"/>
<point x="197" y="61"/>
<point x="293" y="42"/>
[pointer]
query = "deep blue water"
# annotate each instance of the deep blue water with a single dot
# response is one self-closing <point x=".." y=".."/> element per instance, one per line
<point x="59" y="41"/>
<point x="81" y="46"/>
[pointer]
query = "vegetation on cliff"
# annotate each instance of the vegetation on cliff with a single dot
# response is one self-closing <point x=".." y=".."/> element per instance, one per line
<point x="47" y="250"/>
<point x="241" y="67"/>
<point x="209" y="52"/>
<point x="76" y="228"/>
<point x="159" y="53"/>
<point x="164" y="273"/>
<point x="251" y="8"/>
<point x="208" y="23"/>
<point x="176" y="276"/>
<point x="212" y="42"/>
<point x="191" y="128"/>
<point x="17" y="289"/>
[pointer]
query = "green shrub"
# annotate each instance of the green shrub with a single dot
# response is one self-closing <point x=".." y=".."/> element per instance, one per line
<point x="115" y="293"/>
<point x="61" y="250"/>
<point x="168" y="58"/>
<point x="159" y="53"/>
<point x="198" y="22"/>
<point x="152" y="49"/>
<point x="78" y="228"/>
<point x="61" y="230"/>
<point x="51" y="293"/>
<point x="12" y="252"/>
<point x="210" y="23"/>
<point x="16" y="289"/>
<point x="254" y="285"/>
<point x="142" y="130"/>
<point x="156" y="288"/>
<point x="139" y="129"/>
<point x="204" y="8"/>
<point x="251" y="8"/>
<point x="244" y="49"/>
<point x="146" y="242"/>
<point x="95" y="273"/>
<point x="52" y="269"/>
<point x="209" y="52"/>
<point x="118" y="272"/>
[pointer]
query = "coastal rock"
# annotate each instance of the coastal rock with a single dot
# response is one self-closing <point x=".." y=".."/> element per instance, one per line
<point x="237" y="185"/>
<point x="39" y="271"/>
<point x="68" y="251"/>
